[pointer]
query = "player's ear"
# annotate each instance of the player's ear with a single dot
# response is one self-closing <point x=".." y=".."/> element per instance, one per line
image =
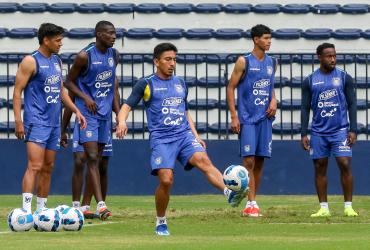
<point x="155" y="61"/>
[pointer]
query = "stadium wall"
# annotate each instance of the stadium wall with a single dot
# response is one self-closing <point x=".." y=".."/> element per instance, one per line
<point x="289" y="171"/>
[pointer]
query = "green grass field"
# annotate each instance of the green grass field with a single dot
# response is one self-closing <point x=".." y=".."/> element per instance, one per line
<point x="203" y="222"/>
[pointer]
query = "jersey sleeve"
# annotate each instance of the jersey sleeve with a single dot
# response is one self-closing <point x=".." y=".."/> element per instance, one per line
<point x="349" y="92"/>
<point x="137" y="93"/>
<point x="306" y="105"/>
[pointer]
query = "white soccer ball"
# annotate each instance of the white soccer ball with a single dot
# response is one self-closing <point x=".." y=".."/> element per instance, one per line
<point x="19" y="220"/>
<point x="61" y="208"/>
<point x="236" y="177"/>
<point x="72" y="219"/>
<point x="47" y="219"/>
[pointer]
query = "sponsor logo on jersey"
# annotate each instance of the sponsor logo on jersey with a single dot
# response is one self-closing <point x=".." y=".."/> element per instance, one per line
<point x="52" y="99"/>
<point x="44" y="66"/>
<point x="110" y="61"/>
<point x="172" y="101"/>
<point x="317" y="83"/>
<point x="328" y="94"/>
<point x="54" y="79"/>
<point x="254" y="69"/>
<point x="261" y="102"/>
<point x="263" y="83"/>
<point x="260" y="92"/>
<point x="104" y="75"/>
<point x="160" y="89"/>
<point x="169" y="122"/>
<point x="329" y="113"/>
<point x="94" y="63"/>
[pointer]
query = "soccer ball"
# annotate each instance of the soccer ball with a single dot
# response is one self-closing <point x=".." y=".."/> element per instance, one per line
<point x="72" y="219"/>
<point x="47" y="219"/>
<point x="236" y="177"/>
<point x="19" y="220"/>
<point x="61" y="208"/>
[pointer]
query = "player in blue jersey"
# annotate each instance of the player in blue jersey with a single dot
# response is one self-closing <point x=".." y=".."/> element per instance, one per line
<point x="92" y="81"/>
<point x="40" y="77"/>
<point x="172" y="132"/>
<point x="329" y="92"/>
<point x="253" y="76"/>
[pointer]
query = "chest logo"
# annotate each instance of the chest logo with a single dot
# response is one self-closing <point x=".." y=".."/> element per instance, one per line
<point x="269" y="70"/>
<point x="336" y="81"/>
<point x="110" y="61"/>
<point x="179" y="88"/>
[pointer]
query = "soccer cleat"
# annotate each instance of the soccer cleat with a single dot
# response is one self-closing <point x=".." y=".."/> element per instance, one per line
<point x="246" y="211"/>
<point x="350" y="212"/>
<point x="104" y="213"/>
<point x="236" y="197"/>
<point x="252" y="212"/>
<point x="90" y="215"/>
<point x="162" y="230"/>
<point x="323" y="212"/>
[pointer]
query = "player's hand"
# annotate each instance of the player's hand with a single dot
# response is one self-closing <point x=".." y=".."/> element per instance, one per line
<point x="271" y="110"/>
<point x="81" y="120"/>
<point x="19" y="130"/>
<point x="305" y="142"/>
<point x="91" y="105"/>
<point x="201" y="142"/>
<point x="351" y="138"/>
<point x="64" y="139"/>
<point x="121" y="130"/>
<point x="235" y="125"/>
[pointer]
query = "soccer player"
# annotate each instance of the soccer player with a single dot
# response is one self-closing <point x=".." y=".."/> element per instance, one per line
<point x="253" y="75"/>
<point x="172" y="132"/>
<point x="91" y="80"/>
<point x="329" y="92"/>
<point x="40" y="77"/>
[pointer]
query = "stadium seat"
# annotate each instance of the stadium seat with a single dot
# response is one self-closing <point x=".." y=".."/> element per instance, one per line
<point x="189" y="80"/>
<point x="281" y="81"/>
<point x="284" y="59"/>
<point x="220" y="58"/>
<point x="346" y="34"/>
<point x="365" y="129"/>
<point x="131" y="59"/>
<point x="361" y="128"/>
<point x="201" y="127"/>
<point x="362" y="104"/>
<point x="267" y="8"/>
<point x="362" y="82"/>
<point x="149" y="7"/>
<point x="3" y="32"/>
<point x="345" y="59"/>
<point x="296" y="82"/>
<point x="62" y="7"/>
<point x="7" y="128"/>
<point x="286" y="128"/>
<point x="8" y="7"/>
<point x="199" y="33"/>
<point x="220" y="128"/>
<point x="306" y="59"/>
<point x="81" y="33"/>
<point x="127" y="81"/>
<point x="296" y="8"/>
<point x="169" y="33"/>
<point x="247" y="34"/>
<point x="363" y="58"/>
<point x="140" y="33"/>
<point x="120" y="8"/>
<point x="228" y="34"/>
<point x="136" y="127"/>
<point x="290" y="104"/>
<point x="67" y="57"/>
<point x="315" y="34"/>
<point x="7" y="80"/>
<point x="9" y="58"/>
<point x="208" y="8"/>
<point x="3" y="103"/>
<point x="287" y="33"/>
<point x="21" y="33"/>
<point x="179" y="8"/>
<point x="203" y="104"/>
<point x="120" y="32"/>
<point x="91" y="8"/>
<point x="190" y="59"/>
<point x="325" y="8"/>
<point x="33" y="7"/>
<point x="211" y="82"/>
<point x="366" y="34"/>
<point x="354" y="8"/>
<point x="237" y="8"/>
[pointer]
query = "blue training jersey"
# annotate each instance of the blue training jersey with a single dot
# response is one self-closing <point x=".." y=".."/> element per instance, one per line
<point x="98" y="82"/>
<point x="255" y="89"/>
<point x="166" y="109"/>
<point x="328" y="102"/>
<point x="42" y="94"/>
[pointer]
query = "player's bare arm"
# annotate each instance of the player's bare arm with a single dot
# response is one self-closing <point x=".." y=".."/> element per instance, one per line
<point x="116" y="99"/>
<point x="236" y="75"/>
<point x="193" y="129"/>
<point x="70" y="105"/>
<point x="121" y="130"/>
<point x="67" y="114"/>
<point x="25" y="71"/>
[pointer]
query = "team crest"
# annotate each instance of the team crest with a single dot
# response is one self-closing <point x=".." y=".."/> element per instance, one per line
<point x="269" y="70"/>
<point x="57" y="67"/>
<point x="88" y="134"/>
<point x="247" y="148"/>
<point x="110" y="62"/>
<point x="75" y="144"/>
<point x="336" y="81"/>
<point x="179" y="88"/>
<point x="158" y="160"/>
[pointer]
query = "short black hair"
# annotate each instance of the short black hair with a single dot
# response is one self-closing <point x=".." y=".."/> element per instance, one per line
<point x="323" y="46"/>
<point x="48" y="30"/>
<point x="101" y="25"/>
<point x="163" y="47"/>
<point x="259" y="30"/>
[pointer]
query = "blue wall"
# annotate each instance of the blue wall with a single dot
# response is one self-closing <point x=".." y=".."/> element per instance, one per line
<point x="289" y="171"/>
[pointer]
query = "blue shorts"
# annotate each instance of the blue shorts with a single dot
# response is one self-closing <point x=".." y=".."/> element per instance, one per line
<point x="164" y="155"/>
<point x="324" y="146"/>
<point x="256" y="139"/>
<point x="77" y="147"/>
<point x="96" y="130"/>
<point x="45" y="136"/>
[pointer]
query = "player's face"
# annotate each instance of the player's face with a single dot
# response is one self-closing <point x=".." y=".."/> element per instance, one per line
<point x="166" y="64"/>
<point x="263" y="42"/>
<point x="328" y="59"/>
<point x="54" y="43"/>
<point x="107" y="36"/>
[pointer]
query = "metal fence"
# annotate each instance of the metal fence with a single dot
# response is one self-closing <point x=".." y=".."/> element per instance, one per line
<point x="207" y="76"/>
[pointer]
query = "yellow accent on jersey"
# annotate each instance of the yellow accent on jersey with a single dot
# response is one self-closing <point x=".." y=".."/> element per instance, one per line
<point x="146" y="93"/>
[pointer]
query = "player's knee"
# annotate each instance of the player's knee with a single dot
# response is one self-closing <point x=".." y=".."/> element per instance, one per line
<point x="166" y="181"/>
<point x="92" y="156"/>
<point x="35" y="166"/>
<point x="202" y="160"/>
